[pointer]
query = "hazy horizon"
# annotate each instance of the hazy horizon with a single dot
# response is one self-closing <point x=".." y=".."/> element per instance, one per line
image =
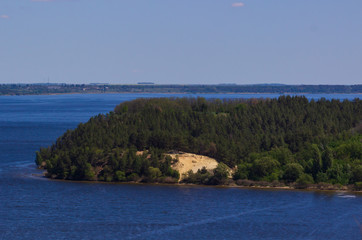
<point x="181" y="42"/>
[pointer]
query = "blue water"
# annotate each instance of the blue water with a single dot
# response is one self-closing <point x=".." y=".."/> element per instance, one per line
<point x="32" y="207"/>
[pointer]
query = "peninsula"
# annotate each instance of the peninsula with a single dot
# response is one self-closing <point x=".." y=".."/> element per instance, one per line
<point x="288" y="141"/>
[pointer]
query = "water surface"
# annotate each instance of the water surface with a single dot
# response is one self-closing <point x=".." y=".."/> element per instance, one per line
<point x="36" y="208"/>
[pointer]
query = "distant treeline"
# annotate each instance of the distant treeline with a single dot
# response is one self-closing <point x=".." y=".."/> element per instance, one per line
<point x="31" y="89"/>
<point x="289" y="140"/>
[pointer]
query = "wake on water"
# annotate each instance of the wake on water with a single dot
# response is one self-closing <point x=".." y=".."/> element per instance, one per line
<point x="345" y="195"/>
<point x="210" y="220"/>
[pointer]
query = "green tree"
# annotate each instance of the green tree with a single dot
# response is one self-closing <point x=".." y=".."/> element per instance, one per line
<point x="263" y="167"/>
<point x="120" y="176"/>
<point x="242" y="171"/>
<point x="292" y="172"/>
<point x="316" y="160"/>
<point x="221" y="173"/>
<point x="357" y="173"/>
<point x="304" y="181"/>
<point x="261" y="136"/>
<point x="89" y="172"/>
<point x="327" y="159"/>
<point x="154" y="173"/>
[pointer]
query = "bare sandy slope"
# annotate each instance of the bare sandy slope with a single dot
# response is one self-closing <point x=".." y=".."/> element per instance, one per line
<point x="194" y="162"/>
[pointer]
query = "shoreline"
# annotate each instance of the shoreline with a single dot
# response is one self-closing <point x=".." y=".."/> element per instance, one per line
<point x="227" y="93"/>
<point x="256" y="187"/>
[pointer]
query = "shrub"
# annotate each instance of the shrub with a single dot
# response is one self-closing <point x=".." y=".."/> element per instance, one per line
<point x="357" y="173"/>
<point x="304" y="181"/>
<point x="242" y="172"/>
<point x="120" y="176"/>
<point x="133" y="177"/>
<point x="321" y="177"/>
<point x="263" y="167"/>
<point x="292" y="172"/>
<point x="221" y="172"/>
<point x="358" y="186"/>
<point x="200" y="177"/>
<point x="154" y="173"/>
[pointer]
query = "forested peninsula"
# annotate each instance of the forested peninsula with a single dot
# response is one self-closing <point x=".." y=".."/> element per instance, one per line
<point x="288" y="141"/>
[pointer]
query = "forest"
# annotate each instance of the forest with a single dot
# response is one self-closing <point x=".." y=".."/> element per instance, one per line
<point x="288" y="140"/>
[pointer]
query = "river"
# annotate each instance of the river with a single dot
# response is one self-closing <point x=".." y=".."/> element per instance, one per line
<point x="32" y="207"/>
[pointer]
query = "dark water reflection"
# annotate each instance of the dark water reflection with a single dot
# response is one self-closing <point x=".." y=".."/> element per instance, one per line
<point x="36" y="208"/>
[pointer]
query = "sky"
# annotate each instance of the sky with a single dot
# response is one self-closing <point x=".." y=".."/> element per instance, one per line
<point x="181" y="41"/>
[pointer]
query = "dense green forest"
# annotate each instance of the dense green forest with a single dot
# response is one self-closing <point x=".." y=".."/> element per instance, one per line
<point x="27" y="89"/>
<point x="288" y="140"/>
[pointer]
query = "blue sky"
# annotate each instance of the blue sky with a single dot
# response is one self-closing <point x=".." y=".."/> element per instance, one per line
<point x="181" y="42"/>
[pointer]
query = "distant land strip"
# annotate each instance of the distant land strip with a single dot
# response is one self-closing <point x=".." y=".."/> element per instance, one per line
<point x="54" y="88"/>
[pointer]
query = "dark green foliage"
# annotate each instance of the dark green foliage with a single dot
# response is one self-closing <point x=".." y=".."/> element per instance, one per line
<point x="221" y="173"/>
<point x="153" y="174"/>
<point x="357" y="173"/>
<point x="202" y="176"/>
<point x="315" y="160"/>
<point x="304" y="181"/>
<point x="265" y="168"/>
<point x="292" y="172"/>
<point x="327" y="159"/>
<point x="270" y="139"/>
<point x="133" y="177"/>
<point x="120" y="176"/>
<point x="358" y="186"/>
<point x="242" y="171"/>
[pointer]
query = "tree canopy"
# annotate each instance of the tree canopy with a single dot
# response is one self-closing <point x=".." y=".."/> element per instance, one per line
<point x="282" y="139"/>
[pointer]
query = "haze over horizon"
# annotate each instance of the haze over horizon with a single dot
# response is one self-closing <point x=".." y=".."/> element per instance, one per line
<point x="181" y="42"/>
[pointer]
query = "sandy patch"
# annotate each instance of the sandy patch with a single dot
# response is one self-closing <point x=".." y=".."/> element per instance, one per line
<point x="194" y="162"/>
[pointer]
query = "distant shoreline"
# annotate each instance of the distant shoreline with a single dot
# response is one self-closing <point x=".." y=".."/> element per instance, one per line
<point x="180" y="93"/>
<point x="56" y="89"/>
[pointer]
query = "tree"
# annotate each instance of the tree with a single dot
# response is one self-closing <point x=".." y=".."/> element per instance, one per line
<point x="327" y="159"/>
<point x="89" y="172"/>
<point x="261" y="136"/>
<point x="242" y="171"/>
<point x="283" y="155"/>
<point x="292" y="172"/>
<point x="120" y="176"/>
<point x="154" y="173"/>
<point x="221" y="173"/>
<point x="304" y="180"/>
<point x="316" y="160"/>
<point x="357" y="173"/>
<point x="263" y="167"/>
